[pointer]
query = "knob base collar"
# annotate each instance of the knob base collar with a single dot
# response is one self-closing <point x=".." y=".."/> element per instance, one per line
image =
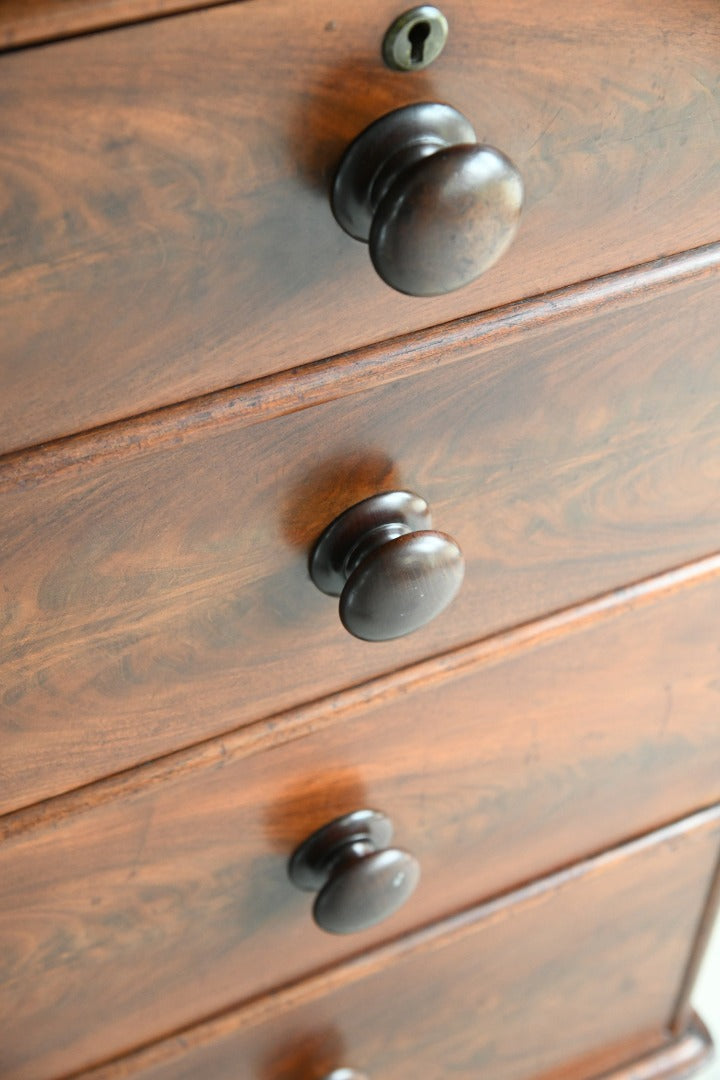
<point x="337" y="549"/>
<point x="385" y="148"/>
<point x="312" y="862"/>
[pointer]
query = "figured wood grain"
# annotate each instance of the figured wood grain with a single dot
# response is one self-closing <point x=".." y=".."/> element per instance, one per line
<point x="590" y="986"/>
<point x="27" y="22"/>
<point x="166" y="228"/>
<point x="341" y="708"/>
<point x="676" y="1059"/>
<point x="491" y="778"/>
<point x="157" y="599"/>
<point x="359" y="370"/>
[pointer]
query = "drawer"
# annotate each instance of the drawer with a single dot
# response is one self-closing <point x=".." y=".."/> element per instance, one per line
<point x="581" y="971"/>
<point x="155" y="581"/>
<point x="166" y="229"/>
<point x="157" y="895"/>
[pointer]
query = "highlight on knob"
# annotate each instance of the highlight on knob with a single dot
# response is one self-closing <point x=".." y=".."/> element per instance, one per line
<point x="393" y="572"/>
<point x="436" y="208"/>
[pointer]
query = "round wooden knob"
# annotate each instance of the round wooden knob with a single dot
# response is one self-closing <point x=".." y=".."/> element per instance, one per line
<point x="392" y="573"/>
<point x="436" y="207"/>
<point x="359" y="880"/>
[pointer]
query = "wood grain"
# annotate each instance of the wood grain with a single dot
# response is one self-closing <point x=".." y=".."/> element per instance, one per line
<point x="360" y="369"/>
<point x="493" y="777"/>
<point x="165" y="224"/>
<point x="589" y="988"/>
<point x="159" y="598"/>
<point x="27" y="22"/>
<point x="673" y="1060"/>
<point x="690" y="1050"/>
<point x="683" y="1013"/>
<point x="342" y="707"/>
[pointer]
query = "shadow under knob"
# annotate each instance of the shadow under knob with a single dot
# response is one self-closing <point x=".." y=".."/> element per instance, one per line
<point x="359" y="880"/>
<point x="436" y="207"/>
<point x="392" y="572"/>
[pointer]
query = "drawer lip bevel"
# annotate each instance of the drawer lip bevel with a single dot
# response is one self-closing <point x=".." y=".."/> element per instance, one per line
<point x="369" y="367"/>
<point x="159" y="599"/>
<point x="689" y="1049"/>
<point x="59" y="20"/>
<point x="308" y="719"/>
<point x="197" y="205"/>
<point x="688" y="1045"/>
<point x="534" y="765"/>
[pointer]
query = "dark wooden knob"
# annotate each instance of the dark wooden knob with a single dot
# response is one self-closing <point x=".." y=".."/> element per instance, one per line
<point x="436" y="207"/>
<point x="359" y="880"/>
<point x="392" y="573"/>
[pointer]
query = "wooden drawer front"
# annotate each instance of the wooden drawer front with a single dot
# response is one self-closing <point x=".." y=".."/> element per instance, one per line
<point x="166" y="226"/>
<point x="582" y="970"/>
<point x="156" y="591"/>
<point x="169" y="889"/>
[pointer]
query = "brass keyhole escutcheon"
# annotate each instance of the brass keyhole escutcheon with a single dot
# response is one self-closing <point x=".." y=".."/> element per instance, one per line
<point x="415" y="39"/>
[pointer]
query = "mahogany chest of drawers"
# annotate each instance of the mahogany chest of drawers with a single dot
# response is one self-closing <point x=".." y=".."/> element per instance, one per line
<point x="200" y="371"/>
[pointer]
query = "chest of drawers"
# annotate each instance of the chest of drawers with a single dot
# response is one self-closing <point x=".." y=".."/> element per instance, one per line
<point x="199" y="372"/>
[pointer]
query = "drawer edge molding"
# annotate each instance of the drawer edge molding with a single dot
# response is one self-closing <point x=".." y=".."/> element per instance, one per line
<point x="683" y="1013"/>
<point x="360" y="370"/>
<point x="311" y="717"/>
<point x="36" y="23"/>
<point x="689" y="1050"/>
<point x="685" y="1050"/>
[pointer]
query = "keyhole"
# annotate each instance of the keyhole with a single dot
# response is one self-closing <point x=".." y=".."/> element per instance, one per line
<point x="415" y="39"/>
<point x="418" y="35"/>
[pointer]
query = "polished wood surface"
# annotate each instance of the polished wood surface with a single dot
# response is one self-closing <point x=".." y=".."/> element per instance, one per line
<point x="174" y="175"/>
<point x="313" y="717"/>
<point x="180" y="710"/>
<point x="690" y="1050"/>
<point x="591" y="987"/>
<point x="492" y="775"/>
<point x="684" y="1009"/>
<point x="26" y="22"/>
<point x="363" y="369"/>
<point x="161" y="594"/>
